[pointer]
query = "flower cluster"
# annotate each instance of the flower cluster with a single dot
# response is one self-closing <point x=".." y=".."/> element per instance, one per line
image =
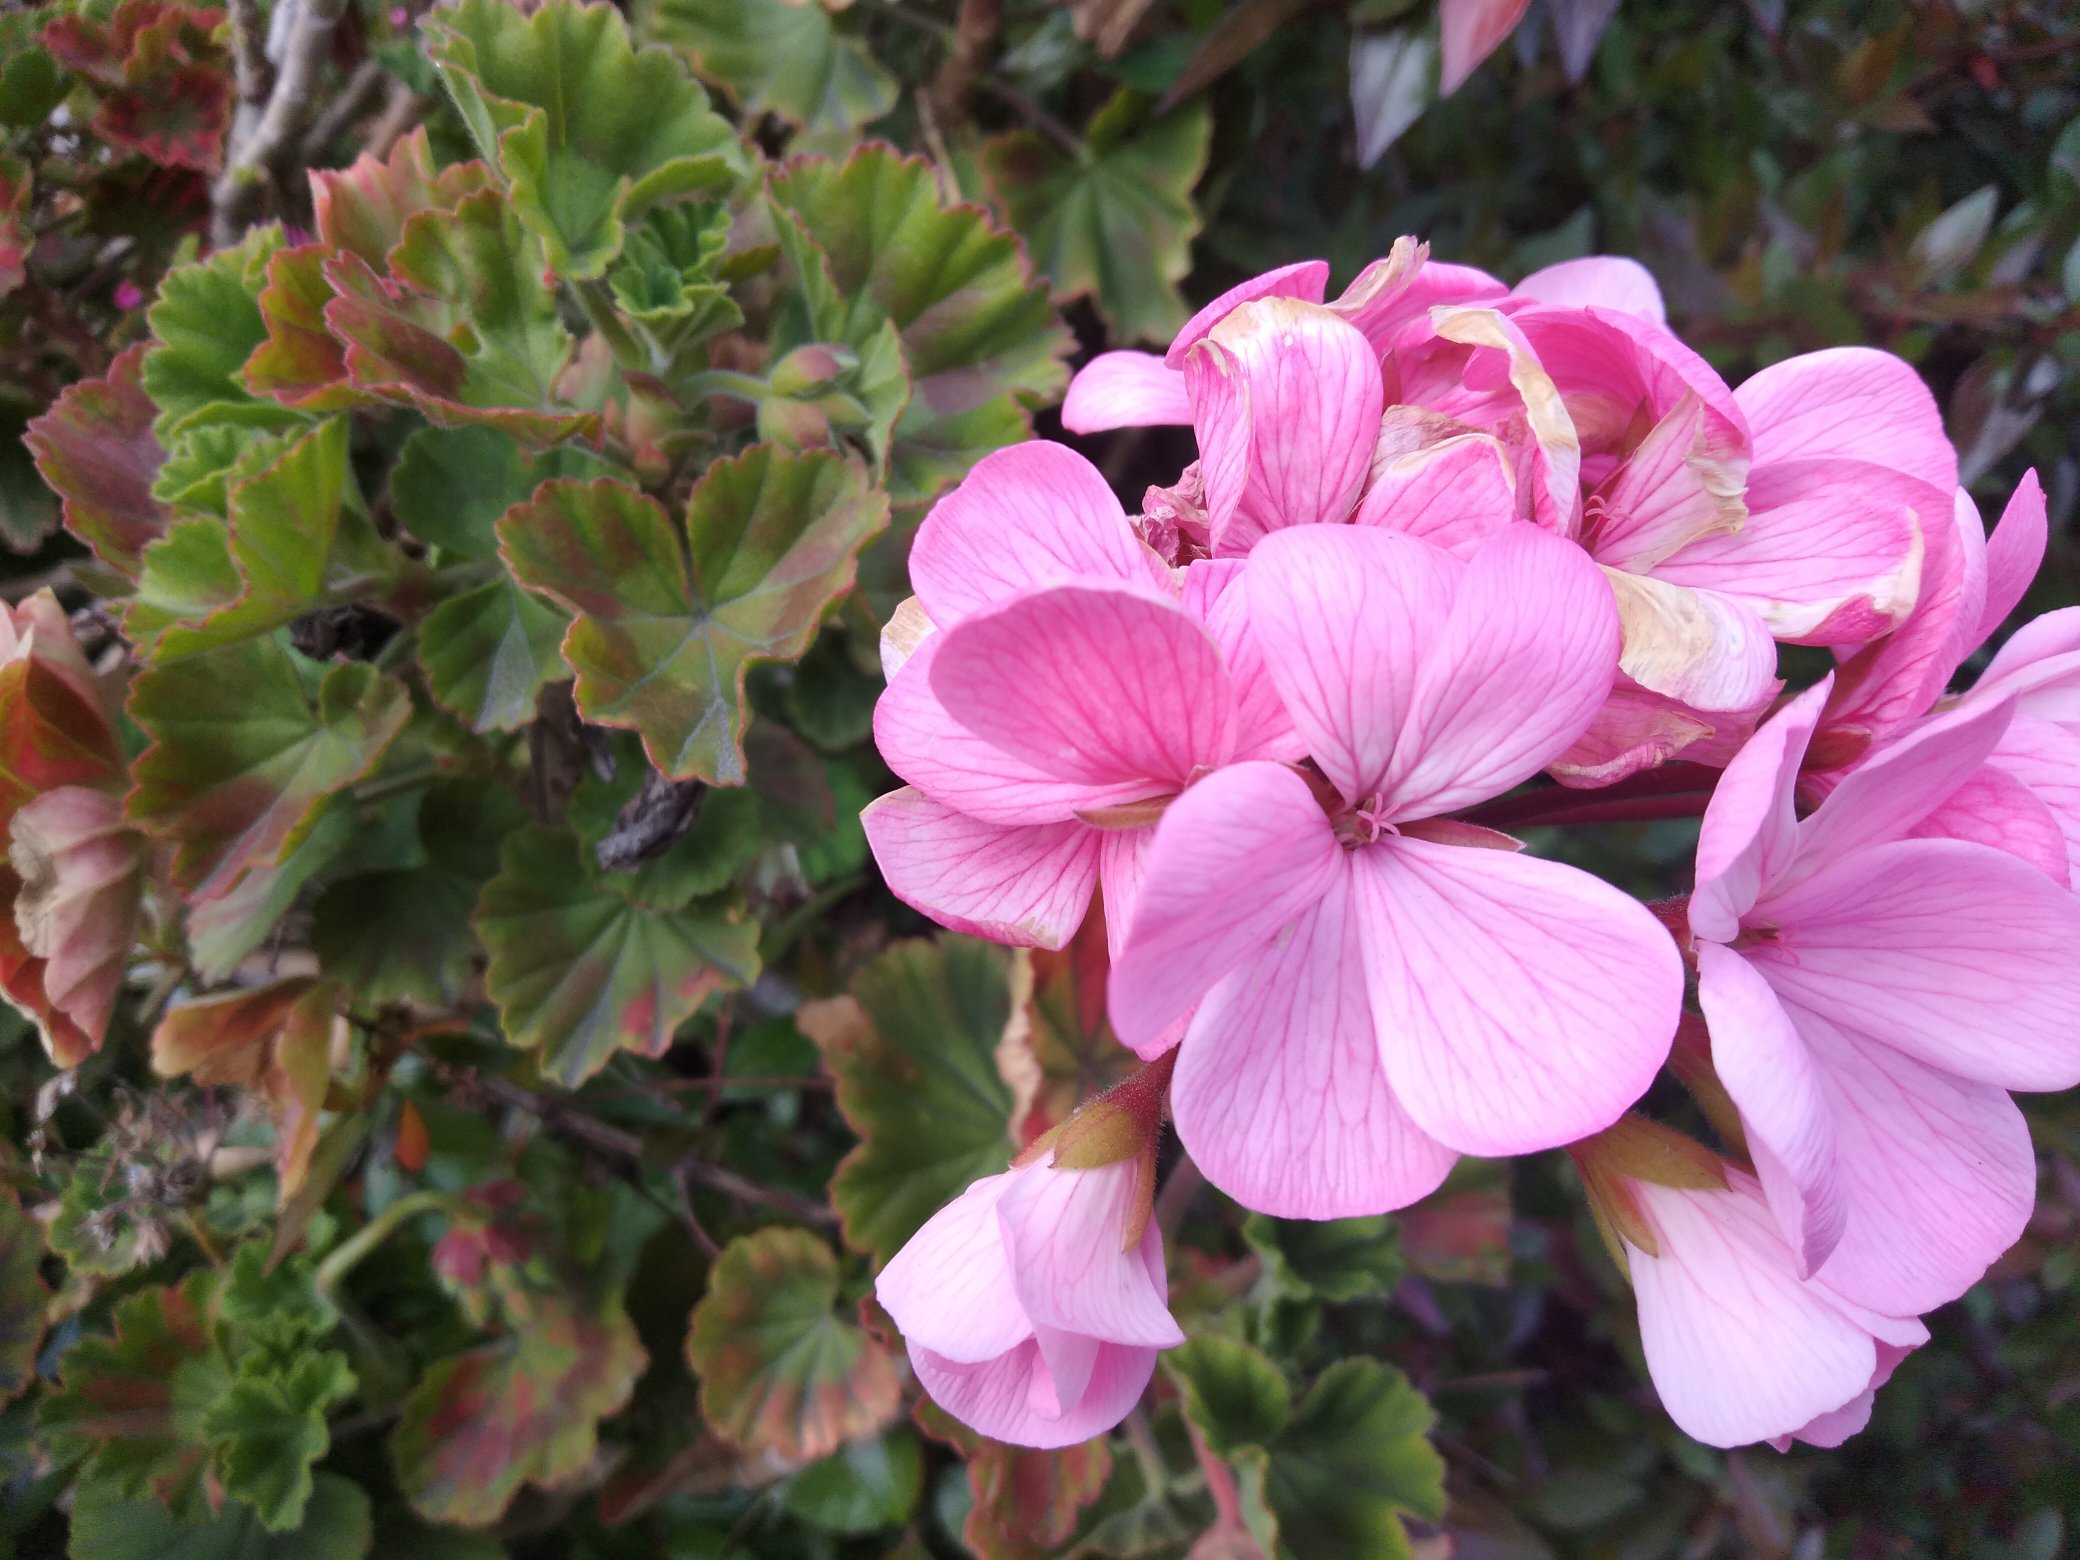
<point x="1444" y="537"/>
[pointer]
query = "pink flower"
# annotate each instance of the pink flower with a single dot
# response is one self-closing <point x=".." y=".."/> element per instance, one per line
<point x="1740" y="1347"/>
<point x="1383" y="988"/>
<point x="1874" y="984"/>
<point x="1030" y="1313"/>
<point x="128" y="295"/>
<point x="1066" y="689"/>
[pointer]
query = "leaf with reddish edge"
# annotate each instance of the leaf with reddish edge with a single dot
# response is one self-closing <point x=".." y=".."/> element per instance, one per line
<point x="363" y="208"/>
<point x="95" y="446"/>
<point x="81" y="875"/>
<point x="299" y="364"/>
<point x="168" y="91"/>
<point x="23" y="1295"/>
<point x="246" y="742"/>
<point x="132" y="1405"/>
<point x="205" y="323"/>
<point x="1059" y="1049"/>
<point x="177" y="121"/>
<point x="913" y="1052"/>
<point x="579" y="973"/>
<point x="670" y="617"/>
<point x="15" y="235"/>
<point x="1026" y="1500"/>
<point x="781" y="1370"/>
<point x="275" y="1041"/>
<point x="55" y="728"/>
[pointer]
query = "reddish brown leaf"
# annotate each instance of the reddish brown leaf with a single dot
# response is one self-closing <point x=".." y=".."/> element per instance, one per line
<point x="178" y="121"/>
<point x="1027" y="1501"/>
<point x="95" y="447"/>
<point x="300" y="364"/>
<point x="363" y="208"/>
<point x="1460" y="1234"/>
<point x="82" y="872"/>
<point x="1058" y="1049"/>
<point x="15" y="236"/>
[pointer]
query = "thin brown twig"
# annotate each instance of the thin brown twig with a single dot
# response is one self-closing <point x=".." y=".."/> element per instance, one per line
<point x="364" y="89"/>
<point x="262" y="156"/>
<point x="403" y="109"/>
<point x="1036" y="116"/>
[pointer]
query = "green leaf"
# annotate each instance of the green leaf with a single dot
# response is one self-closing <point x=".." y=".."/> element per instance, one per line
<point x="1116" y="223"/>
<point x="860" y="1487"/>
<point x="187" y="575"/>
<point x="405" y="933"/>
<point x="270" y="1430"/>
<point x="1232" y="1392"/>
<point x="773" y="57"/>
<point x="1328" y="1259"/>
<point x="670" y="617"/>
<point x="588" y="131"/>
<point x="205" y="323"/>
<point x="981" y="343"/>
<point x="489" y="652"/>
<point x="1352" y="1462"/>
<point x="668" y="280"/>
<point x="726" y="833"/>
<point x="337" y="1525"/>
<point x="223" y="931"/>
<point x="96" y="449"/>
<point x="450" y="485"/>
<point x="781" y="1370"/>
<point x="31" y="84"/>
<point x="579" y="973"/>
<point x="913" y="1052"/>
<point x="830" y="699"/>
<point x="246" y="743"/>
<point x="23" y="1295"/>
<point x="1947" y="244"/>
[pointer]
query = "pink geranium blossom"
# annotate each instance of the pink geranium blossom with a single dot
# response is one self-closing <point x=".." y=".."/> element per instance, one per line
<point x="1873" y="991"/>
<point x="1028" y="1311"/>
<point x="1382" y="988"/>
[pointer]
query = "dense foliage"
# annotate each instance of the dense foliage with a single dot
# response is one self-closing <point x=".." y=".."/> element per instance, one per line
<point x="458" y="466"/>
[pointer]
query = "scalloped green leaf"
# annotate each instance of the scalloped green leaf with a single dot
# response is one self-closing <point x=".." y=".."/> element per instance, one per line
<point x="270" y="1429"/>
<point x="782" y="1371"/>
<point x="668" y="281"/>
<point x="1115" y="223"/>
<point x="1232" y="1391"/>
<point x="1354" y="1461"/>
<point x="579" y="973"/>
<point x="23" y="1295"/>
<point x="450" y="485"/>
<point x="913" y="1053"/>
<point x="338" y="1524"/>
<point x="489" y="652"/>
<point x="1328" y="1259"/>
<point x="982" y="344"/>
<point x="247" y="741"/>
<point x="588" y="131"/>
<point x="773" y="57"/>
<point x="669" y="617"/>
<point x="205" y="323"/>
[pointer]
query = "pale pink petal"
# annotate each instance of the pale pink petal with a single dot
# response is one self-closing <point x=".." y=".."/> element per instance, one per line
<point x="1219" y="391"/>
<point x="1855" y="402"/>
<point x="1832" y="1429"/>
<point x="1065" y="1231"/>
<point x="1521" y="666"/>
<point x="1028" y="887"/>
<point x="1995" y="809"/>
<point x="1760" y="1057"/>
<point x="1454" y="494"/>
<point x="1471" y="30"/>
<point x="1235" y="858"/>
<point x="1122" y="866"/>
<point x="1029" y="515"/>
<point x="1263" y="729"/>
<point x="950" y="1287"/>
<point x="1750" y="829"/>
<point x="2013" y="554"/>
<point x="1938" y="1173"/>
<point x="1125" y="390"/>
<point x="1671" y="490"/>
<point x="997" y="1398"/>
<point x="1635" y="730"/>
<point x="1311" y="398"/>
<point x="1279" y="1094"/>
<point x="1550" y="485"/>
<point x="1306" y="280"/>
<point x="1346" y="616"/>
<point x="1609" y="363"/>
<point x="1830" y="553"/>
<point x="1957" y="955"/>
<point x="1096" y="684"/>
<point x="907" y="628"/>
<point x="2040" y="666"/>
<point x="1519" y="1003"/>
<point x="1398" y="290"/>
<point x="1703" y="650"/>
<point x="1605" y="281"/>
<point x="1739" y="1348"/>
<point x="2046" y="758"/>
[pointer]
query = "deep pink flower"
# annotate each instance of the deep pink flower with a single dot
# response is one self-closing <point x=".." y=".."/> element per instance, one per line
<point x="1380" y="992"/>
<point x="1028" y="1312"/>
<point x="1874" y="984"/>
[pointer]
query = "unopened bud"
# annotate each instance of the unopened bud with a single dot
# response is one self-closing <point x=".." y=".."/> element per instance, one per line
<point x="809" y="369"/>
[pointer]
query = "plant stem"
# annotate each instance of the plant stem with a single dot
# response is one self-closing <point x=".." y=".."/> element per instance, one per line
<point x="383" y="787"/>
<point x="597" y="300"/>
<point x="1150" y="1456"/>
<point x="342" y="1258"/>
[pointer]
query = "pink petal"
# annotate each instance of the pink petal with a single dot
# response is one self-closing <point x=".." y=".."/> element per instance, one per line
<point x="1125" y="390"/>
<point x="1519" y="1003"/>
<point x="1030" y="515"/>
<point x="950" y="1287"/>
<point x="2040" y="666"/>
<point x="1454" y="494"/>
<point x="1995" y="809"/>
<point x="1310" y="397"/>
<point x="1938" y="1174"/>
<point x="1606" y="281"/>
<point x="1703" y="650"/>
<point x="1028" y="887"/>
<point x="1609" y="363"/>
<point x="997" y="1398"/>
<point x="2013" y="554"/>
<point x="1830" y="552"/>
<point x="2046" y="758"/>
<point x="1554" y="454"/>
<point x="1750" y="829"/>
<point x="1635" y="730"/>
<point x="1960" y="956"/>
<point x="1760" y="1057"/>
<point x="1346" y="616"/>
<point x="1832" y="1429"/>
<point x="1065" y="1231"/>
<point x="1307" y="280"/>
<point x="1740" y="1350"/>
<point x="1279" y="1094"/>
<point x="1520" y="668"/>
<point x="1399" y="289"/>
<point x="1096" y="684"/>
<point x="1854" y="402"/>
<point x="1235" y="858"/>
<point x="1672" y="490"/>
<point x="1263" y="729"/>
<point x="1471" y="30"/>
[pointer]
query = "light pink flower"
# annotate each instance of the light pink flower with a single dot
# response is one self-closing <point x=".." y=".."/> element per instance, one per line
<point x="1380" y="992"/>
<point x="1872" y="992"/>
<point x="1740" y="1348"/>
<point x="1029" y="1314"/>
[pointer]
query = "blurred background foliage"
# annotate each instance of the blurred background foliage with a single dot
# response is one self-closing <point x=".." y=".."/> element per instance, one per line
<point x="1795" y="174"/>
